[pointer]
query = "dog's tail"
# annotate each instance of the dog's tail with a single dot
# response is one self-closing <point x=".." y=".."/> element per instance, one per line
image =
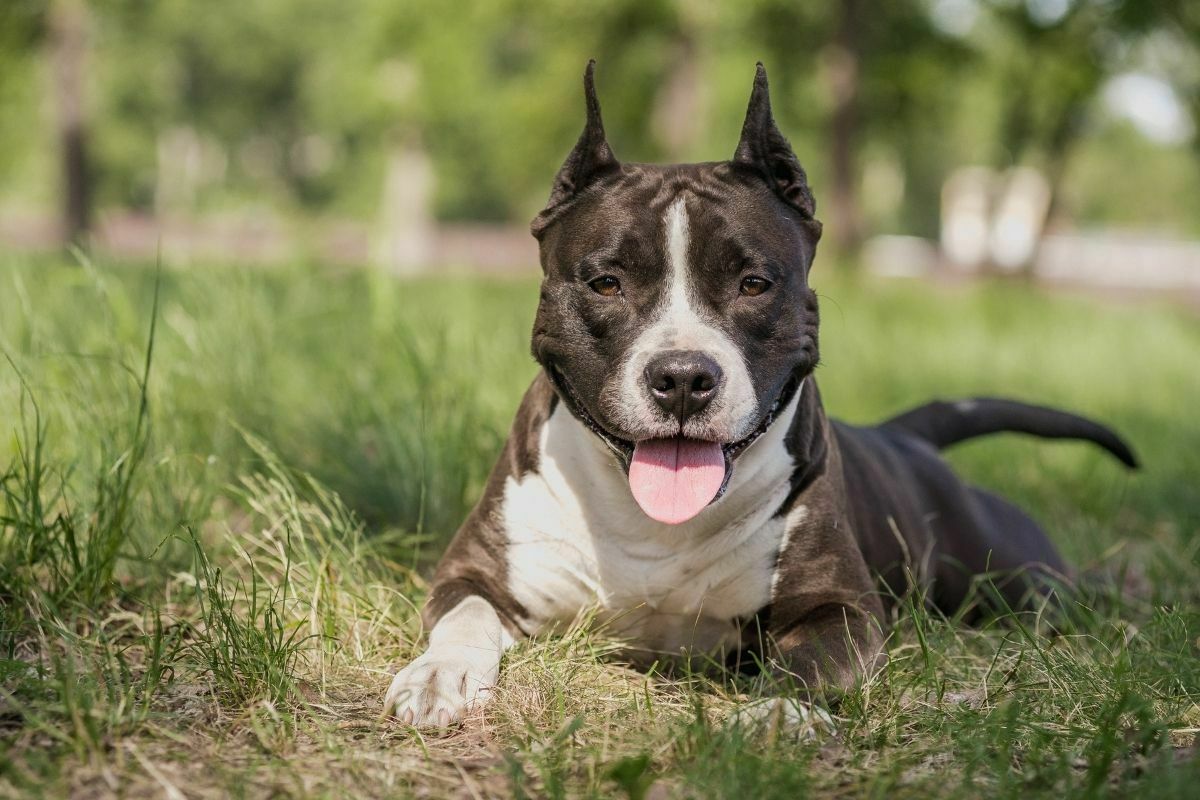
<point x="942" y="424"/>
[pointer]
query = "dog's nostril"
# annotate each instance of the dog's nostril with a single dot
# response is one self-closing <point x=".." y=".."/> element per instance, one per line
<point x="662" y="383"/>
<point x="702" y="383"/>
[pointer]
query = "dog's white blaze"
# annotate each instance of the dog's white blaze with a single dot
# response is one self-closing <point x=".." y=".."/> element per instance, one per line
<point x="578" y="540"/>
<point x="679" y="306"/>
<point x="678" y="325"/>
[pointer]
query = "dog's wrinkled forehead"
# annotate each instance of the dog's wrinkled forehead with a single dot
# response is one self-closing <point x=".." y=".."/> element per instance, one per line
<point x="731" y="220"/>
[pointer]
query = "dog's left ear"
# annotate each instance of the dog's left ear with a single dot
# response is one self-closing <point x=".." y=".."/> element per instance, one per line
<point x="763" y="149"/>
<point x="590" y="160"/>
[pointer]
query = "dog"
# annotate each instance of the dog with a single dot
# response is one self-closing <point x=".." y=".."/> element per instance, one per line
<point x="672" y="466"/>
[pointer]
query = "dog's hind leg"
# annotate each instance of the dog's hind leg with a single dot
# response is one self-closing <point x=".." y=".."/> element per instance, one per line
<point x="1023" y="569"/>
<point x="828" y="649"/>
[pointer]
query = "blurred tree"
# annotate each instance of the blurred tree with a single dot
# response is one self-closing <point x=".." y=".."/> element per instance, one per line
<point x="22" y="31"/>
<point x="1046" y="62"/>
<point x="1048" y="67"/>
<point x="844" y="65"/>
<point x="887" y="72"/>
<point x="497" y="148"/>
<point x="1181" y="21"/>
<point x="237" y="77"/>
<point x="302" y="105"/>
<point x="55" y="31"/>
<point x="68" y="42"/>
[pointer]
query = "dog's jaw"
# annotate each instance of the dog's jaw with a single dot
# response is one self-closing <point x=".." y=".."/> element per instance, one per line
<point x="622" y="449"/>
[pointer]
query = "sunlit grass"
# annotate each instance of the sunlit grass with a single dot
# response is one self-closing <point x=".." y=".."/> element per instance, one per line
<point x="212" y="558"/>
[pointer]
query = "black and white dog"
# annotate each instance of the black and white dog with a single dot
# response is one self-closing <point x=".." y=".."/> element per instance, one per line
<point x="672" y="465"/>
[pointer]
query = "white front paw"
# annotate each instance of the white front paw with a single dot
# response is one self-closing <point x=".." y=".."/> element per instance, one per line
<point x="438" y="689"/>
<point x="785" y="715"/>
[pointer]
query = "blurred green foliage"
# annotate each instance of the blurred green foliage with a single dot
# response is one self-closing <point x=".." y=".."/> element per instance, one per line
<point x="295" y="105"/>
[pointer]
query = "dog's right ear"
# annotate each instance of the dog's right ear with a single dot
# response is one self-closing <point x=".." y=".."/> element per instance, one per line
<point x="591" y="158"/>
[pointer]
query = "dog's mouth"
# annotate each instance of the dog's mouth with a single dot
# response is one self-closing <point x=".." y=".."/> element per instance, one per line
<point x="675" y="478"/>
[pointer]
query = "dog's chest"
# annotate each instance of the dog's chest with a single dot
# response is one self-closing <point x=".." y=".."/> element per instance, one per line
<point x="577" y="540"/>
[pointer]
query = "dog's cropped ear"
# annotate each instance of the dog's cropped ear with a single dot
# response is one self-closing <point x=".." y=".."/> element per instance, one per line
<point x="763" y="149"/>
<point x="591" y="158"/>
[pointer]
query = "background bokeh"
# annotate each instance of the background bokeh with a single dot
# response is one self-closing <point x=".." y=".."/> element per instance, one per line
<point x="320" y="124"/>
<point x="266" y="287"/>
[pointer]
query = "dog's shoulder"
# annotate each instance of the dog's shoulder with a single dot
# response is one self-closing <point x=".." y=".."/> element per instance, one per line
<point x="476" y="561"/>
<point x="523" y="448"/>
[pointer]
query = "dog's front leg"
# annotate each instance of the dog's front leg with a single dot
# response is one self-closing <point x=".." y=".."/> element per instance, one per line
<point x="458" y="670"/>
<point x="471" y="613"/>
<point x="823" y="624"/>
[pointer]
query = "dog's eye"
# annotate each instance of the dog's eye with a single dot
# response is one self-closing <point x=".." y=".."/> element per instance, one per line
<point x="752" y="285"/>
<point x="606" y="285"/>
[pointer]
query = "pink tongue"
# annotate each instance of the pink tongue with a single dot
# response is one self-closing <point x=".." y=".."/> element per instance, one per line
<point x="674" y="479"/>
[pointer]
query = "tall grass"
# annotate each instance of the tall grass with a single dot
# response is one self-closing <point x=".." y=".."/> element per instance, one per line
<point x="219" y="491"/>
<point x="243" y="638"/>
<point x="57" y="549"/>
<point x="72" y="678"/>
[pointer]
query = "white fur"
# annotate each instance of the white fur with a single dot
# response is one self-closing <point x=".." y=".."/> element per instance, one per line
<point x="678" y="324"/>
<point x="786" y="715"/>
<point x="796" y="515"/>
<point x="578" y="539"/>
<point x="458" y="670"/>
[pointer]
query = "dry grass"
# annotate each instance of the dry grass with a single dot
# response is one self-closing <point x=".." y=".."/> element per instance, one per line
<point x="206" y="593"/>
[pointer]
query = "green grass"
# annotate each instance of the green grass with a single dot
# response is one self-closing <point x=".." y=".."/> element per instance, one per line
<point x="213" y="535"/>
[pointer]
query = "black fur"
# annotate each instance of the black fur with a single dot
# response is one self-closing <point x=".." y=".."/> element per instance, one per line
<point x="943" y="424"/>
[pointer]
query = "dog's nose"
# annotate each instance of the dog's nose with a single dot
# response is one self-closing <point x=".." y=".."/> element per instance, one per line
<point x="683" y="382"/>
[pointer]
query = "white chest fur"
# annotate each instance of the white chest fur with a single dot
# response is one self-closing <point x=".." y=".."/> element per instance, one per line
<point x="577" y="539"/>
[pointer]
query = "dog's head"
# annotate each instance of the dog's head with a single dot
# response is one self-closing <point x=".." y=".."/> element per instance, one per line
<point x="675" y="316"/>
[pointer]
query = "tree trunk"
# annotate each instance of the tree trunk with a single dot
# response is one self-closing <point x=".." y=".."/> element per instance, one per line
<point x="844" y="75"/>
<point x="68" y="50"/>
<point x="679" y="104"/>
<point x="405" y="240"/>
